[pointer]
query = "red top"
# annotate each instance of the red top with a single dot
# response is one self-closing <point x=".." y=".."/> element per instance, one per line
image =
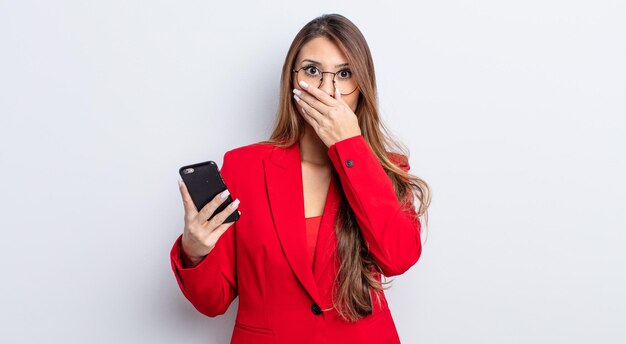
<point x="312" y="227"/>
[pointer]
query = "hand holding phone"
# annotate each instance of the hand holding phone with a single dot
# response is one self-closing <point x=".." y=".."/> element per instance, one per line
<point x="207" y="215"/>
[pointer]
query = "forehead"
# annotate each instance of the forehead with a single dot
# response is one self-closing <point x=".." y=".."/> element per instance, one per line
<point x="323" y="50"/>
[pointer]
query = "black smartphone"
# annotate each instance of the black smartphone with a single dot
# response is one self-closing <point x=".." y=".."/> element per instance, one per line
<point x="204" y="182"/>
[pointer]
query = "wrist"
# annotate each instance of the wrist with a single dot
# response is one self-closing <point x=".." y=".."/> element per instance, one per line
<point x="189" y="260"/>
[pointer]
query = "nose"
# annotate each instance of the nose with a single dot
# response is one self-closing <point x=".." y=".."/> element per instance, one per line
<point x="327" y="85"/>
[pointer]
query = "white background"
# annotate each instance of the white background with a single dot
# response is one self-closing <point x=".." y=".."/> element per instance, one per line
<point x="513" y="113"/>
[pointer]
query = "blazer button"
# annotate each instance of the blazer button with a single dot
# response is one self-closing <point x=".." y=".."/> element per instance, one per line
<point x="349" y="163"/>
<point x="316" y="309"/>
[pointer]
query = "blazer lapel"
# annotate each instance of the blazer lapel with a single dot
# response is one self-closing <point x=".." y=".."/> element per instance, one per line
<point x="283" y="177"/>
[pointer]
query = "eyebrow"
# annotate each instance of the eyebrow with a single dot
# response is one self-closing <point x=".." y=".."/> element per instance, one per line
<point x="319" y="64"/>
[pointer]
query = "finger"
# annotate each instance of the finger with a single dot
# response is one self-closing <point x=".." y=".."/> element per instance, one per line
<point x="224" y="214"/>
<point x="340" y="98"/>
<point x="312" y="101"/>
<point x="190" y="207"/>
<point x="338" y="95"/>
<point x="207" y="211"/>
<point x="308" y="117"/>
<point x="217" y="232"/>
<point x="315" y="115"/>
<point x="319" y="94"/>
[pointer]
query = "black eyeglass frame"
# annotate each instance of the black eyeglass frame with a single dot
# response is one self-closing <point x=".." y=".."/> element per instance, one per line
<point x="322" y="79"/>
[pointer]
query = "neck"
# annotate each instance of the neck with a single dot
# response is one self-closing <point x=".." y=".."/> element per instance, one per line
<point x="312" y="148"/>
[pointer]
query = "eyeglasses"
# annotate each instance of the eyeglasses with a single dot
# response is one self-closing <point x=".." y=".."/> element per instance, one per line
<point x="314" y="76"/>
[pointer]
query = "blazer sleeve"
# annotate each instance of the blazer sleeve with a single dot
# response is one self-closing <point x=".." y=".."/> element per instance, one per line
<point x="211" y="285"/>
<point x="391" y="234"/>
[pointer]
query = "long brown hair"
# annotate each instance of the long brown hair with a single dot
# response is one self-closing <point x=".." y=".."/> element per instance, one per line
<point x="357" y="272"/>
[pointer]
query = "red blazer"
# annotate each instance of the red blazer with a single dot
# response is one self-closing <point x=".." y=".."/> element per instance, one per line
<point x="263" y="257"/>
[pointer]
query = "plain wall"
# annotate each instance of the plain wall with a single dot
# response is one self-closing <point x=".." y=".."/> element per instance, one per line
<point x="513" y="112"/>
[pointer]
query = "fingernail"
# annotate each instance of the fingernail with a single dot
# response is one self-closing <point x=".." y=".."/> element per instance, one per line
<point x="224" y="194"/>
<point x="296" y="98"/>
<point x="304" y="84"/>
<point x="297" y="91"/>
<point x="235" y="203"/>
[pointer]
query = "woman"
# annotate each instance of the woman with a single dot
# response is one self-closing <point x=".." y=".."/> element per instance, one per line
<point x="325" y="209"/>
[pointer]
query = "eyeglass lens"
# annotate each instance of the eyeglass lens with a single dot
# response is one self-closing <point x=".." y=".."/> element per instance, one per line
<point x="344" y="80"/>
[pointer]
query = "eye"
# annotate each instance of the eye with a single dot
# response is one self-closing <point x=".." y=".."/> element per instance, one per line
<point x="345" y="74"/>
<point x="311" y="70"/>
